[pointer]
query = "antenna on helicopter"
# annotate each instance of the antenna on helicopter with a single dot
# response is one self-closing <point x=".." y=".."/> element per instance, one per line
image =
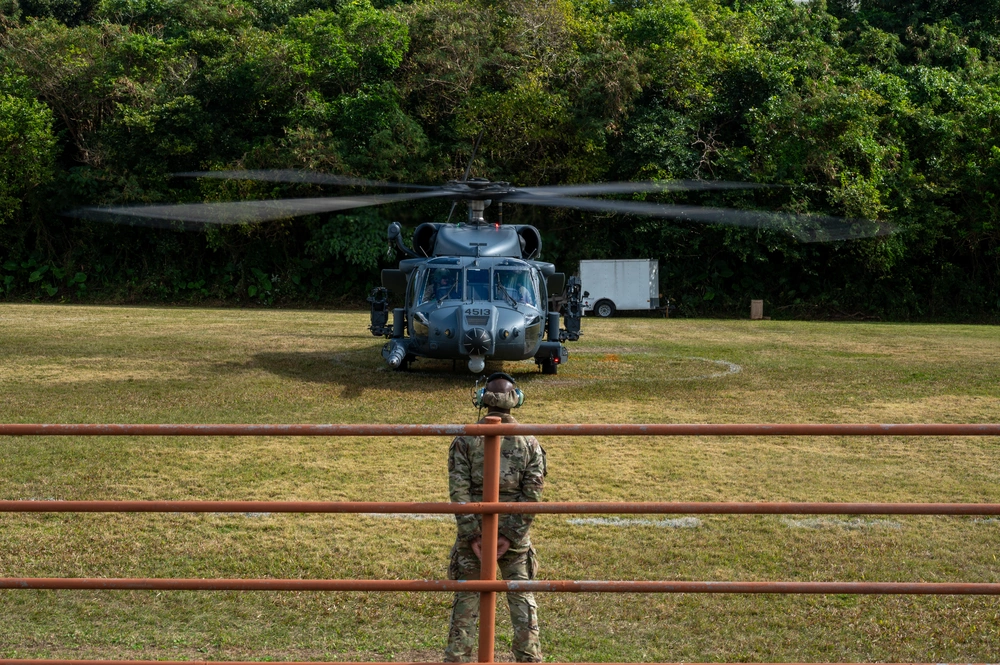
<point x="475" y="148"/>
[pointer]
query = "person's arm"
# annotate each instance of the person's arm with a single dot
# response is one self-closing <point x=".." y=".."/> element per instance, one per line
<point x="460" y="487"/>
<point x="515" y="527"/>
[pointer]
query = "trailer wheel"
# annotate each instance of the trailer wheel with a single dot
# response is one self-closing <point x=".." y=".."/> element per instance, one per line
<point x="604" y="309"/>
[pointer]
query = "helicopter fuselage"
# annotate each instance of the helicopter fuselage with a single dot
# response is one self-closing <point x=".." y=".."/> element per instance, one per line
<point x="474" y="298"/>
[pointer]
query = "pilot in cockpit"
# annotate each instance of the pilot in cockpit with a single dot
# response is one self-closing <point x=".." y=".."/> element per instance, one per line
<point x="515" y="284"/>
<point x="442" y="284"/>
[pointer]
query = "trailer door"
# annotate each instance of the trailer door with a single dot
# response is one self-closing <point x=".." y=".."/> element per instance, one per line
<point x="633" y="281"/>
<point x="654" y="283"/>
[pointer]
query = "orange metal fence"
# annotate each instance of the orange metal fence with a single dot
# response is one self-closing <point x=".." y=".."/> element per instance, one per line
<point x="490" y="508"/>
<point x="772" y="429"/>
<point x="553" y="508"/>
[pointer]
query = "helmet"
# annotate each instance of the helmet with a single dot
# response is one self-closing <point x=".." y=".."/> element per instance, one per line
<point x="479" y="399"/>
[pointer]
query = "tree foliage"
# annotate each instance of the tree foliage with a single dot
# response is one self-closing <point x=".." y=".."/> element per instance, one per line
<point x="27" y="146"/>
<point x="859" y="108"/>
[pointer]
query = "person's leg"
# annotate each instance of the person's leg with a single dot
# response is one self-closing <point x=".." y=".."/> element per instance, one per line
<point x="462" y="633"/>
<point x="523" y="608"/>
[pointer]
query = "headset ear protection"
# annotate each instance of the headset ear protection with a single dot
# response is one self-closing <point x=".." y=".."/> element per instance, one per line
<point x="479" y="393"/>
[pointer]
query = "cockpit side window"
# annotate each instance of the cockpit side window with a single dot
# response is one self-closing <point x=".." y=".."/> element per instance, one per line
<point x="416" y="287"/>
<point x="517" y="285"/>
<point x="442" y="284"/>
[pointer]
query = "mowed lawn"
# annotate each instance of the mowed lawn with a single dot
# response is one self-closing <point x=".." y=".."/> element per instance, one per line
<point x="101" y="364"/>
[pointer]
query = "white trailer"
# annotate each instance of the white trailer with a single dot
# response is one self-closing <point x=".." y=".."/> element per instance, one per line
<point x="620" y="284"/>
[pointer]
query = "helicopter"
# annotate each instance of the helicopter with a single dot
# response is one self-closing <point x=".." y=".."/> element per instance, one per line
<point x="476" y="290"/>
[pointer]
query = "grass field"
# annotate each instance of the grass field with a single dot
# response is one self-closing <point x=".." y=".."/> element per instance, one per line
<point x="95" y="364"/>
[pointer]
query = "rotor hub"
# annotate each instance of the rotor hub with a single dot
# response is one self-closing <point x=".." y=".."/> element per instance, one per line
<point x="478" y="189"/>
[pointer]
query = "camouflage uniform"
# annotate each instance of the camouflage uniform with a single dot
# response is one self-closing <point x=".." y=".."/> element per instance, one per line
<point x="522" y="476"/>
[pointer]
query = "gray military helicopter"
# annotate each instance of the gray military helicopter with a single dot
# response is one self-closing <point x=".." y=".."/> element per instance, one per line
<point x="476" y="290"/>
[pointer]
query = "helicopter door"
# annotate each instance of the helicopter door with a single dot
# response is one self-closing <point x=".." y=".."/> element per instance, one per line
<point x="478" y="280"/>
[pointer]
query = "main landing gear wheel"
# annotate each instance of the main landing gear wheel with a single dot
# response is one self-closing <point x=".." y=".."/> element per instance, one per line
<point x="604" y="309"/>
<point x="550" y="366"/>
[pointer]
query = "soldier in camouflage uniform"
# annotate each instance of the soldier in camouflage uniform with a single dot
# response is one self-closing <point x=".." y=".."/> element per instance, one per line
<point x="522" y="476"/>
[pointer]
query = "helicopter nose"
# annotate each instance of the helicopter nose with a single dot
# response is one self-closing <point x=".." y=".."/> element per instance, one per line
<point x="477" y="341"/>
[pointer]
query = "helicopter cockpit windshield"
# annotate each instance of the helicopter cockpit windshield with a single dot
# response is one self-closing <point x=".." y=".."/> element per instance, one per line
<point x="442" y="284"/>
<point x="478" y="280"/>
<point x="515" y="286"/>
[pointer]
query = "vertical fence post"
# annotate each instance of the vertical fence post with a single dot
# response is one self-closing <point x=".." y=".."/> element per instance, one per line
<point x="488" y="563"/>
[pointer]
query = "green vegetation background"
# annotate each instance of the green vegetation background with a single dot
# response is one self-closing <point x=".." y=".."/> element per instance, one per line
<point x="865" y="108"/>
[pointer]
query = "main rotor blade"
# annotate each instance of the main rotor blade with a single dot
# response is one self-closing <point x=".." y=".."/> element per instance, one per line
<point x="806" y="228"/>
<point x="241" y="212"/>
<point x="592" y="188"/>
<point x="294" y="175"/>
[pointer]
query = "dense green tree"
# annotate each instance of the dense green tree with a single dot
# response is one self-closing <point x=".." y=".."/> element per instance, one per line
<point x="859" y="108"/>
<point x="27" y="147"/>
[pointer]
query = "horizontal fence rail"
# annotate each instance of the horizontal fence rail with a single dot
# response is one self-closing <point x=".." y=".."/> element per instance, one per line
<point x="481" y="586"/>
<point x="21" y="661"/>
<point x="552" y="508"/>
<point x="508" y="429"/>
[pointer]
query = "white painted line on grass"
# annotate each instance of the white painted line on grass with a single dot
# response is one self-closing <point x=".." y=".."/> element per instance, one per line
<point x="675" y="523"/>
<point x="412" y="516"/>
<point x="853" y="524"/>
<point x="232" y="514"/>
<point x="731" y="368"/>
